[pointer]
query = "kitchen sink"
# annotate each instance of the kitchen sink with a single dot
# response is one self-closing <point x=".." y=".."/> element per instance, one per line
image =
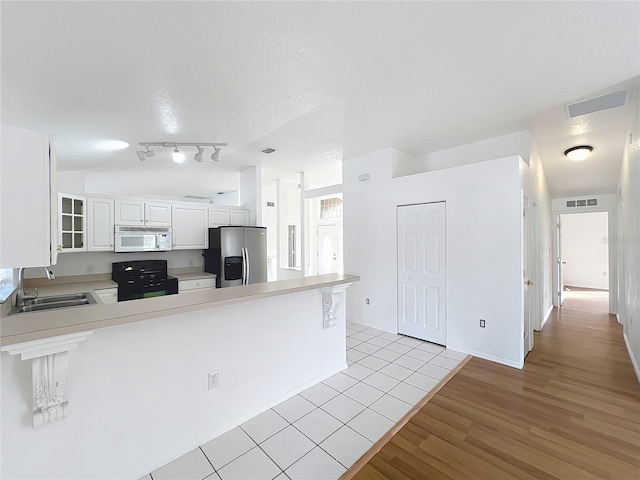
<point x="55" y="301"/>
<point x="59" y="298"/>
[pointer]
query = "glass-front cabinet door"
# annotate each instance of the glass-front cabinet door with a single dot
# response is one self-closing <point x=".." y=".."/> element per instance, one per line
<point x="71" y="223"/>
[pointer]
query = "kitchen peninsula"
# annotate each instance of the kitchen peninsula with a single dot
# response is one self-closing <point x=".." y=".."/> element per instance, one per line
<point x="138" y="371"/>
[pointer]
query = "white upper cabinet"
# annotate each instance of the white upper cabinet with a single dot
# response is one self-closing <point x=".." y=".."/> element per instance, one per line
<point x="157" y="214"/>
<point x="218" y="216"/>
<point x="190" y="227"/>
<point x="71" y="223"/>
<point x="239" y="217"/>
<point x="100" y="225"/>
<point x="25" y="198"/>
<point x="139" y="212"/>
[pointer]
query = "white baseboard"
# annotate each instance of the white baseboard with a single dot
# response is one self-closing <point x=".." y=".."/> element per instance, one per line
<point x="491" y="358"/>
<point x="546" y="317"/>
<point x="239" y="421"/>
<point x="618" y="319"/>
<point x="633" y="359"/>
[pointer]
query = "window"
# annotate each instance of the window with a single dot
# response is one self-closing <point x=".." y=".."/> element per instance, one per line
<point x="292" y="246"/>
<point x="331" y="208"/>
<point x="6" y="283"/>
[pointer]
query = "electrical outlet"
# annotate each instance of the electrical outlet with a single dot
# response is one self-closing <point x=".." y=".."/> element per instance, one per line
<point x="89" y="268"/>
<point x="483" y="323"/>
<point x="366" y="301"/>
<point x="214" y="379"/>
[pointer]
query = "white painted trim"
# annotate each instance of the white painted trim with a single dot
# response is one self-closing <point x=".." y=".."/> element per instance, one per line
<point x="546" y="317"/>
<point x="238" y="421"/>
<point x="618" y="319"/>
<point x="46" y="346"/>
<point x="633" y="359"/>
<point x="491" y="358"/>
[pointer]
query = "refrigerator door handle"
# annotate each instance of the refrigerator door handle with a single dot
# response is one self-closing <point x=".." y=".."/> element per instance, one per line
<point x="246" y="253"/>
<point x="244" y="267"/>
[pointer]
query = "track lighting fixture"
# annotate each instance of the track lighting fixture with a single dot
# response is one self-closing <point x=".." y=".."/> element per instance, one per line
<point x="215" y="156"/>
<point x="198" y="156"/>
<point x="177" y="155"/>
<point x="143" y="155"/>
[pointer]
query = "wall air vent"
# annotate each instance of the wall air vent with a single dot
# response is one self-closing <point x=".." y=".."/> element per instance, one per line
<point x="271" y="204"/>
<point x="591" y="202"/>
<point x="604" y="102"/>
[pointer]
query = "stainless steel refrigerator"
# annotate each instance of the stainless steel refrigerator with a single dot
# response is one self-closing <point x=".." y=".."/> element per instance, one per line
<point x="237" y="255"/>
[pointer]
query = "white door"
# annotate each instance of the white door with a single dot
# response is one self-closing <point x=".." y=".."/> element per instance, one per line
<point x="99" y="224"/>
<point x="422" y="272"/>
<point x="328" y="249"/>
<point x="560" y="262"/>
<point x="525" y="275"/>
<point x="157" y="214"/>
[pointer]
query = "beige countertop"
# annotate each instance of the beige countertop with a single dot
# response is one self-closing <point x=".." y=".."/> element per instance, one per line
<point x="37" y="325"/>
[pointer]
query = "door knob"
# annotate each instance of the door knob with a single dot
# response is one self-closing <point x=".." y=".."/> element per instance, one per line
<point x="528" y="283"/>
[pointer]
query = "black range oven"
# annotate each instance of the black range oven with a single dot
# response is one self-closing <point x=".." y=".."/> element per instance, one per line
<point x="143" y="279"/>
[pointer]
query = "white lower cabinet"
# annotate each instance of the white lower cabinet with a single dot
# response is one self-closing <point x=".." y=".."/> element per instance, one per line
<point x="107" y="295"/>
<point x="190" y="227"/>
<point x="196" y="285"/>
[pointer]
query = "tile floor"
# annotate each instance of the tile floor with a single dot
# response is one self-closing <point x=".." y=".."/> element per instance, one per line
<point x="321" y="432"/>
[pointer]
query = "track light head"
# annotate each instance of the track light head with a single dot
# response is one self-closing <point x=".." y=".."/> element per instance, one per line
<point x="198" y="156"/>
<point x="215" y="156"/>
<point x="178" y="156"/>
<point x="143" y="155"/>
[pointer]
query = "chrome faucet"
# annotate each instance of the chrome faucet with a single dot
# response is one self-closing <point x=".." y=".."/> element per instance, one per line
<point x="23" y="294"/>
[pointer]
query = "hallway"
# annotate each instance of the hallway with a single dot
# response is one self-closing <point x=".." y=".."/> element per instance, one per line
<point x="573" y="412"/>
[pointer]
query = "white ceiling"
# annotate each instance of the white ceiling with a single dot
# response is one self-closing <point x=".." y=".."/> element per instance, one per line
<point x="319" y="81"/>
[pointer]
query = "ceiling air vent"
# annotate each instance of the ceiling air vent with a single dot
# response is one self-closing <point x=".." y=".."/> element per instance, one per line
<point x="591" y="202"/>
<point x="268" y="150"/>
<point x="604" y="102"/>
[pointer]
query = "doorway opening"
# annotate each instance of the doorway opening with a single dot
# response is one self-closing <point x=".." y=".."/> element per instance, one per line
<point x="583" y="258"/>
<point x="325" y="233"/>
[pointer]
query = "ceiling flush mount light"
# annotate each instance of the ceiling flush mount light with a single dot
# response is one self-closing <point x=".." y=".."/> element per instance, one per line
<point x="178" y="155"/>
<point x="579" y="153"/>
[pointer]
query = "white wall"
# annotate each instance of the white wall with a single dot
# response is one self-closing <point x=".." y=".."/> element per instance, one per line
<point x="585" y="248"/>
<point x="507" y="145"/>
<point x="628" y="239"/>
<point x="534" y="185"/>
<point x="251" y="194"/>
<point x="138" y="393"/>
<point x="483" y="248"/>
<point x="270" y="220"/>
<point x="76" y="263"/>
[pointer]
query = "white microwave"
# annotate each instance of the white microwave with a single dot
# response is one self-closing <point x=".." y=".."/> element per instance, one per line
<point x="142" y="239"/>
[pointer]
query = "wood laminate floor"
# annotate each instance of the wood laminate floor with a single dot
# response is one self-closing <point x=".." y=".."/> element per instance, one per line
<point x="572" y="413"/>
